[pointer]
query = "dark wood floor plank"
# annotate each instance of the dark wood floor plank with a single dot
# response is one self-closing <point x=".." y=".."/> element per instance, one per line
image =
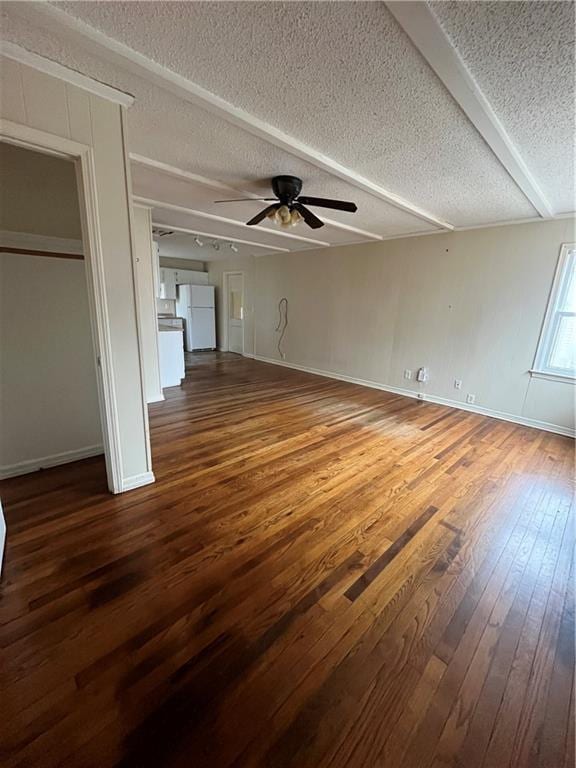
<point x="323" y="575"/>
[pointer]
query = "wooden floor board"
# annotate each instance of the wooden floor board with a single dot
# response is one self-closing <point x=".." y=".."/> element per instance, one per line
<point x="323" y="576"/>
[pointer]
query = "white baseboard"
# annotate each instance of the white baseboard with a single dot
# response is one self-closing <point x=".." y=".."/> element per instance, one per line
<point x="32" y="465"/>
<point x="248" y="354"/>
<point x="158" y="399"/>
<point x="136" y="481"/>
<point x="544" y="425"/>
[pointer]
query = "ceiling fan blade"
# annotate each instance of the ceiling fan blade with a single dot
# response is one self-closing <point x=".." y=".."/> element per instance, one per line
<point x="322" y="202"/>
<point x="247" y="200"/>
<point x="310" y="218"/>
<point x="262" y="215"/>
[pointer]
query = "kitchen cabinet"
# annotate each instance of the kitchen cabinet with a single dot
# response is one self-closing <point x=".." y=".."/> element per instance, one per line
<point x="191" y="277"/>
<point x="167" y="283"/>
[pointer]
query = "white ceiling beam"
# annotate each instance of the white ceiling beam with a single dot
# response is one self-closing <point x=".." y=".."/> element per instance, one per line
<point x="223" y="220"/>
<point x="195" y="178"/>
<point x="121" y="54"/>
<point x="187" y="231"/>
<point x="425" y="31"/>
<point x="53" y="68"/>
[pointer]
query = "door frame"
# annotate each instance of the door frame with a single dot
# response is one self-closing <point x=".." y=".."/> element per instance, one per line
<point x="225" y="279"/>
<point x="83" y="157"/>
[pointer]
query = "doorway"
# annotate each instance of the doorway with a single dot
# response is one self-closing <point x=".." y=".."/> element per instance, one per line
<point x="49" y="408"/>
<point x="234" y="311"/>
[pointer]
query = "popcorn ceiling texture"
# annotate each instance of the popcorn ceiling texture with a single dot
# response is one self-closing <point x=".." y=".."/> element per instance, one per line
<point x="342" y="77"/>
<point x="522" y="56"/>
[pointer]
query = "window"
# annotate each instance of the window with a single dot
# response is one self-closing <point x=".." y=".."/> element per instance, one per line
<point x="556" y="355"/>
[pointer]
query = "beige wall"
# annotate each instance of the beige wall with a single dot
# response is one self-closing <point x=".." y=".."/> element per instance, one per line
<point x="38" y="194"/>
<point x="50" y="105"/>
<point x="48" y="392"/>
<point x="467" y="305"/>
<point x="216" y="271"/>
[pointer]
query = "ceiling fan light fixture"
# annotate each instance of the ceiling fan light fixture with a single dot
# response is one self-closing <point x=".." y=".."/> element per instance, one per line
<point x="283" y="216"/>
<point x="295" y="217"/>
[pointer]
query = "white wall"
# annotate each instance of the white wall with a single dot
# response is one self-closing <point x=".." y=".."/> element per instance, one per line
<point x="216" y="271"/>
<point x="467" y="305"/>
<point x="48" y="104"/>
<point x="145" y="256"/>
<point x="48" y="393"/>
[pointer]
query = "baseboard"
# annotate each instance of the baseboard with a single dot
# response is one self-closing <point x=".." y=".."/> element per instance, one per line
<point x="159" y="399"/>
<point x="534" y="423"/>
<point x="248" y="354"/>
<point x="33" y="465"/>
<point x="136" y="481"/>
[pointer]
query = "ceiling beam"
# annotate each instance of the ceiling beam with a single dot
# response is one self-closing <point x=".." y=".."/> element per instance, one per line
<point x="223" y="220"/>
<point x="53" y="68"/>
<point x="425" y="31"/>
<point x="122" y="55"/>
<point x="187" y="231"/>
<point x="195" y="178"/>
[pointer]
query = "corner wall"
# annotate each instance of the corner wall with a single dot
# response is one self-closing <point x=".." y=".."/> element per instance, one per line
<point x="467" y="305"/>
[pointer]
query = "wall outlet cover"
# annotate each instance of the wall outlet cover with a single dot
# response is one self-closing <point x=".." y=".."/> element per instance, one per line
<point x="457" y="383"/>
<point x="470" y="399"/>
<point x="407" y="373"/>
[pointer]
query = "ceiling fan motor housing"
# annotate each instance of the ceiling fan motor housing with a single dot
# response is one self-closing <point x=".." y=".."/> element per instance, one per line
<point x="286" y="188"/>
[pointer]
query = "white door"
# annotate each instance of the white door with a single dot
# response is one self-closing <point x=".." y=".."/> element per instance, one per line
<point x="203" y="330"/>
<point x="235" y="320"/>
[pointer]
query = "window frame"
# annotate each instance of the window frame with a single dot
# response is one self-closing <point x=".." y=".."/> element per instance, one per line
<point x="552" y="319"/>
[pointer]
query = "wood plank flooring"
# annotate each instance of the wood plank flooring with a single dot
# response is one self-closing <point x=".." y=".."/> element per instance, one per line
<point x="323" y="576"/>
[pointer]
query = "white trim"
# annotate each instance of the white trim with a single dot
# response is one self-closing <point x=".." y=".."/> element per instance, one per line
<point x="225" y="275"/>
<point x="223" y="220"/>
<point x="137" y="481"/>
<point x="188" y="231"/>
<point x="552" y="377"/>
<point x="158" y="399"/>
<point x="136" y="292"/>
<point x="171" y="170"/>
<point x="50" y="67"/>
<point x="83" y="156"/>
<point x="548" y="327"/>
<point x="426" y="33"/>
<point x="546" y="426"/>
<point x="54" y="460"/>
<point x="185" y="89"/>
<point x="25" y="240"/>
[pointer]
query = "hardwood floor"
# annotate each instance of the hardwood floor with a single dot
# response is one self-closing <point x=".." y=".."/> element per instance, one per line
<point x="324" y="575"/>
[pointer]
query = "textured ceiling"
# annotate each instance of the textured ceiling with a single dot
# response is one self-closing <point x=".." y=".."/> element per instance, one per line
<point x="522" y="57"/>
<point x="344" y="79"/>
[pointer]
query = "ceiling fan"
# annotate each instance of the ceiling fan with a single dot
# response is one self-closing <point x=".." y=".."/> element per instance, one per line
<point x="289" y="207"/>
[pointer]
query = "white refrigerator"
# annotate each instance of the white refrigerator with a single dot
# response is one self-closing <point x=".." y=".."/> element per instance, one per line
<point x="195" y="304"/>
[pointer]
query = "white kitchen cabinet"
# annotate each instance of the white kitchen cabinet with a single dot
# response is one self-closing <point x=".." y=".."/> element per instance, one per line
<point x="171" y="350"/>
<point x="167" y="283"/>
<point x="191" y="277"/>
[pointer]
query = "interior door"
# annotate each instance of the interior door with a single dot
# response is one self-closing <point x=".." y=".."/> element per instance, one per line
<point x="236" y="313"/>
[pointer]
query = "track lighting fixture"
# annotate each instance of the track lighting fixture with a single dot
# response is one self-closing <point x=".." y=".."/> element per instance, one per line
<point x="198" y="242"/>
<point x="216" y="246"/>
<point x="233" y="247"/>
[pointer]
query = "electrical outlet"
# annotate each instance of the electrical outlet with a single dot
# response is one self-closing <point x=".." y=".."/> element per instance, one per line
<point x="421" y="396"/>
<point x="470" y="399"/>
<point x="407" y="373"/>
<point x="457" y="383"/>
